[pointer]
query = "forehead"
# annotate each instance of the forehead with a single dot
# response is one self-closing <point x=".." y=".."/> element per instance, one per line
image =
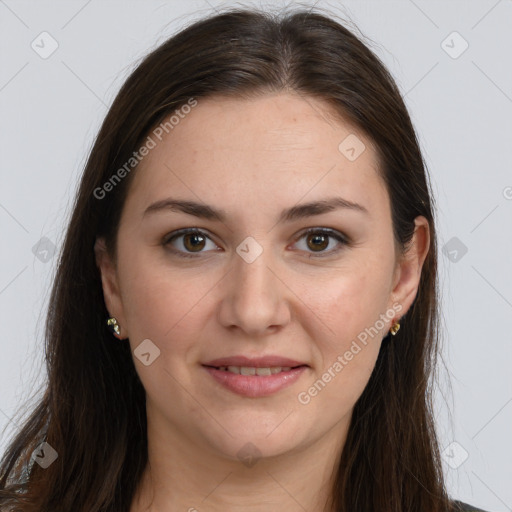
<point x="276" y="147"/>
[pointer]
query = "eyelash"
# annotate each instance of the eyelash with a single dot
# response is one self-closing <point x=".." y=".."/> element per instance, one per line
<point x="325" y="231"/>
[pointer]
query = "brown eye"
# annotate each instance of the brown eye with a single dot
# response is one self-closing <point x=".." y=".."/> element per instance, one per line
<point x="193" y="241"/>
<point x="187" y="242"/>
<point x="317" y="242"/>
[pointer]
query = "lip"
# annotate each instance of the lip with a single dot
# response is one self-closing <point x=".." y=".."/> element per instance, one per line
<point x="255" y="385"/>
<point x="256" y="362"/>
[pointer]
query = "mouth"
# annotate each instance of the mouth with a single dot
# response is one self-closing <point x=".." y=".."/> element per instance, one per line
<point x="260" y="371"/>
<point x="255" y="381"/>
<point x="262" y="361"/>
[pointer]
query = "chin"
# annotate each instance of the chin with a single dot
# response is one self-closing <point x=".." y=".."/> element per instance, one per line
<point x="254" y="439"/>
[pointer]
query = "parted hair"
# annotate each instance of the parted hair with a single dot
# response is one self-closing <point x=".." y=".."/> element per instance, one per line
<point x="92" y="410"/>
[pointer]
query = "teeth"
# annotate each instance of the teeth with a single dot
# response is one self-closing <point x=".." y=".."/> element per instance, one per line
<point x="250" y="370"/>
<point x="280" y="369"/>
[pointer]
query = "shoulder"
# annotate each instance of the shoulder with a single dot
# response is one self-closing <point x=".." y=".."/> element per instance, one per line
<point x="464" y="507"/>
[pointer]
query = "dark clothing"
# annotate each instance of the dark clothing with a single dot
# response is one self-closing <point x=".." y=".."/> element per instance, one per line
<point x="464" y="507"/>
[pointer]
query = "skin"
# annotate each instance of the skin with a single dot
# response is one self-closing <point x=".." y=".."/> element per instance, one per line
<point x="287" y="302"/>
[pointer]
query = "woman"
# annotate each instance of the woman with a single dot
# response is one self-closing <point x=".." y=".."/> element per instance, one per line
<point x="245" y="310"/>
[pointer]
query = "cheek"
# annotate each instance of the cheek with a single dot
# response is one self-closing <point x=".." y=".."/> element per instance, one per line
<point x="354" y="301"/>
<point x="351" y="310"/>
<point x="351" y="306"/>
<point x="158" y="301"/>
<point x="167" y="308"/>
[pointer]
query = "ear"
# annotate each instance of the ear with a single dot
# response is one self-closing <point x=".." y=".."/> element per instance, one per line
<point x="109" y="281"/>
<point x="408" y="271"/>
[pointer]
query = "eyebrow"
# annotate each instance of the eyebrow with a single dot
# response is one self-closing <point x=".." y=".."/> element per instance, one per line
<point x="297" y="212"/>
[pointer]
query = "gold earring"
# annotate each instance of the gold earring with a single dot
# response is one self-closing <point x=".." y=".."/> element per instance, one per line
<point x="395" y="328"/>
<point x="113" y="326"/>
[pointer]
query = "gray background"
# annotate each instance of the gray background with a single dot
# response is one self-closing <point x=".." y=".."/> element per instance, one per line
<point x="461" y="105"/>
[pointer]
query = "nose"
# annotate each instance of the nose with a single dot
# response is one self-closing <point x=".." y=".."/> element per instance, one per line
<point x="255" y="299"/>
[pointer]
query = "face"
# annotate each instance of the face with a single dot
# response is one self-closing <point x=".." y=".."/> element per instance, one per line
<point x="259" y="274"/>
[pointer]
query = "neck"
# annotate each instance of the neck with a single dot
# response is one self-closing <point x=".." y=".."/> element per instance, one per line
<point x="184" y="474"/>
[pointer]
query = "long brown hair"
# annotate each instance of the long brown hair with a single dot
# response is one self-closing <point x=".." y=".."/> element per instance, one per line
<point x="93" y="409"/>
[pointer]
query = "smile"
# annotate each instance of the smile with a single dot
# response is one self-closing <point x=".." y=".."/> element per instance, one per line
<point x="255" y="382"/>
